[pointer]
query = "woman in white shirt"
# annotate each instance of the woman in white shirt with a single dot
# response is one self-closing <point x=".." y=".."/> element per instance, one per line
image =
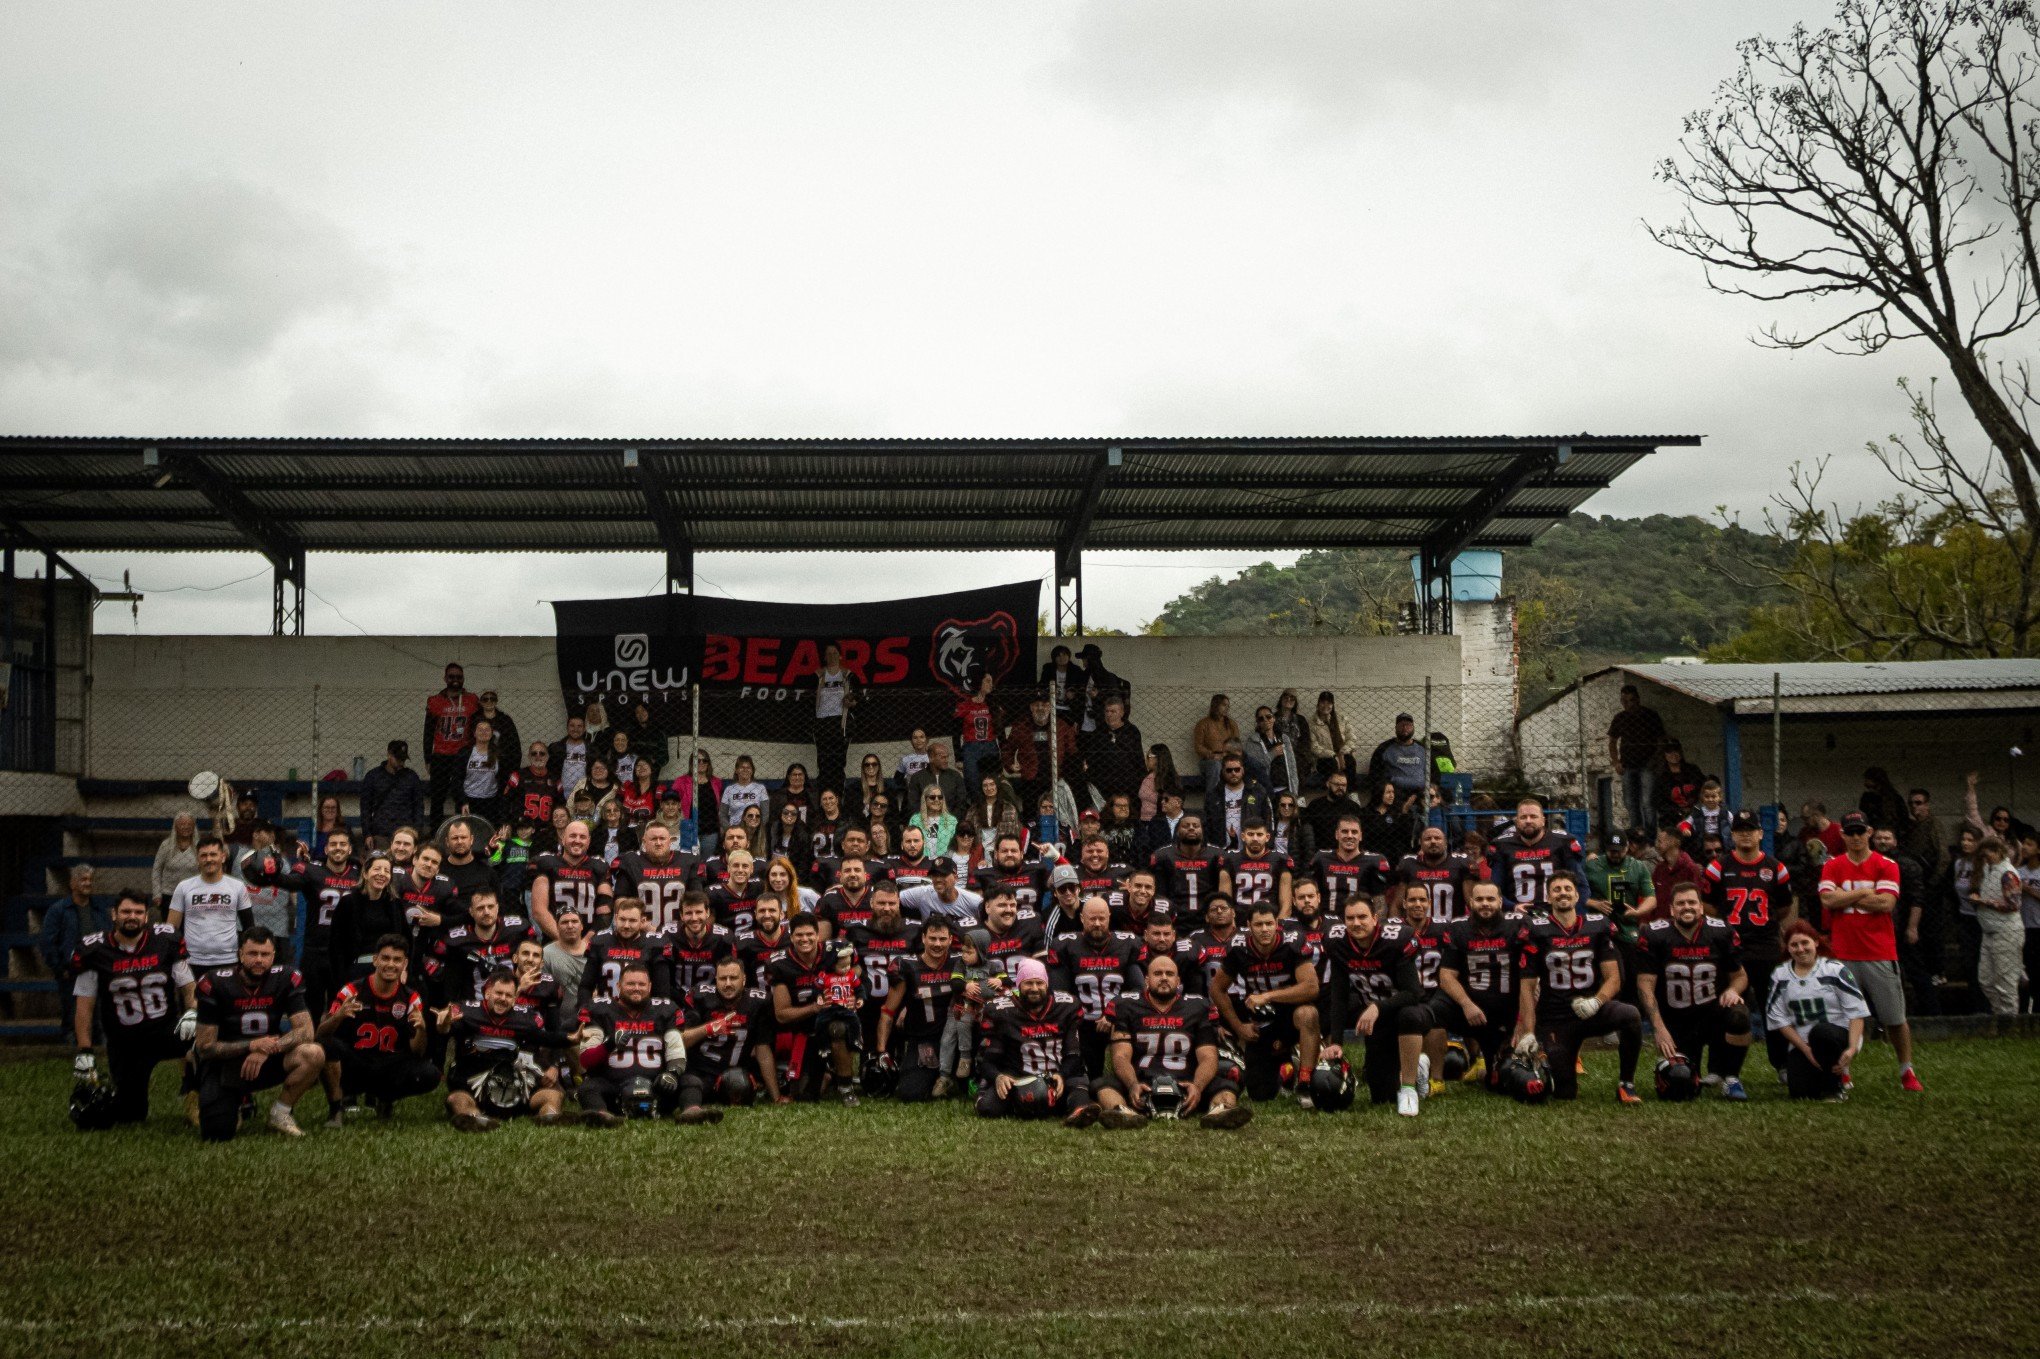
<point x="1995" y="888"/>
<point x="743" y="790"/>
<point x="1819" y="1010"/>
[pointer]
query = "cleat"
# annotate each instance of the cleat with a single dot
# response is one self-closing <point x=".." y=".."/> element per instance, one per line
<point x="1424" y="1072"/>
<point x="1783" y="1079"/>
<point x="1625" y="1093"/>
<point x="473" y="1123"/>
<point x="1304" y="1101"/>
<point x="1406" y="1102"/>
<point x="1232" y="1116"/>
<point x="335" y="1121"/>
<point x="1119" y="1118"/>
<point x="1910" y="1080"/>
<point x="945" y="1088"/>
<point x="1710" y="1079"/>
<point x="1475" y="1070"/>
<point x="1437" y="1088"/>
<point x="1849" y="1083"/>
<point x="850" y="1100"/>
<point x="284" y="1121"/>
<point x="1732" y="1088"/>
<point x="1082" y="1118"/>
<point x="551" y="1118"/>
<point x="601" y="1118"/>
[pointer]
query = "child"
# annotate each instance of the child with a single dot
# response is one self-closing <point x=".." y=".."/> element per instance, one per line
<point x="958" y="1033"/>
<point x="840" y="994"/>
<point x="510" y="855"/>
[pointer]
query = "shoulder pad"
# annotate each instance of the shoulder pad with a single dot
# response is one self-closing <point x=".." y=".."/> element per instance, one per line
<point x="1062" y="998"/>
<point x="1658" y="926"/>
<point x="458" y="932"/>
<point x="160" y="928"/>
<point x="715" y="931"/>
<point x="515" y="922"/>
<point x="96" y="937"/>
<point x="1335" y="930"/>
<point x="1000" y="1003"/>
<point x="1124" y="934"/>
<point x="756" y="993"/>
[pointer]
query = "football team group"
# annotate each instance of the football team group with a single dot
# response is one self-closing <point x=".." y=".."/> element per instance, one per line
<point x="1191" y="986"/>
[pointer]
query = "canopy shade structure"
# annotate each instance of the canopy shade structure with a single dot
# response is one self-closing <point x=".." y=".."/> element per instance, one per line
<point x="289" y="496"/>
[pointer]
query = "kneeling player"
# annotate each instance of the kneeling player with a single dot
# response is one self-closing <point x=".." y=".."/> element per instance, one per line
<point x="1689" y="978"/>
<point x="1158" y="1032"/>
<point x="1478" y="974"/>
<point x="631" y="1051"/>
<point x="1030" y="1053"/>
<point x="1281" y="985"/>
<point x="374" y="1037"/>
<point x="728" y="1036"/>
<point x="1373" y="978"/>
<point x="1570" y="979"/>
<point x="132" y="973"/>
<point x="254" y="1032"/>
<point x="496" y="1072"/>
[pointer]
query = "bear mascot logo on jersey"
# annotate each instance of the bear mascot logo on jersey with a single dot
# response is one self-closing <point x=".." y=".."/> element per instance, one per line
<point x="962" y="653"/>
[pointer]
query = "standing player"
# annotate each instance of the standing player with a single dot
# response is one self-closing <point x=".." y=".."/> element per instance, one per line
<point x="1478" y="973"/>
<point x="1007" y="939"/>
<point x="798" y="1014"/>
<point x="1096" y="965"/>
<point x="1255" y="873"/>
<point x="1032" y="1034"/>
<point x="1443" y="874"/>
<point x="1276" y="1010"/>
<point x="847" y="905"/>
<point x="497" y="1070"/>
<point x="1346" y="870"/>
<point x="1307" y="927"/>
<point x="1097" y="876"/>
<point x="464" y="955"/>
<point x="374" y="1037"/>
<point x="253" y="1033"/>
<point x="1189" y="870"/>
<point x="766" y="941"/>
<point x="538" y="991"/>
<point x="657" y="875"/>
<point x="695" y="947"/>
<point x="1210" y="944"/>
<point x="626" y="942"/>
<point x="1138" y="902"/>
<point x="1527" y="857"/>
<point x="1160" y="1030"/>
<point x="1010" y="868"/>
<point x="917" y="1006"/>
<point x="629" y="1035"/>
<point x="728" y="1036"/>
<point x="1160" y="941"/>
<point x="1569" y="981"/>
<point x="1858" y="892"/>
<point x="732" y="900"/>
<point x="137" y="977"/>
<point x="570" y="880"/>
<point x="1689" y="978"/>
<point x="1752" y="892"/>
<point x="211" y="909"/>
<point x="1372" y="990"/>
<point x="324" y="884"/>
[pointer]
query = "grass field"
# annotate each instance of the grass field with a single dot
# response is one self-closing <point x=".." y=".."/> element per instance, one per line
<point x="1892" y="1225"/>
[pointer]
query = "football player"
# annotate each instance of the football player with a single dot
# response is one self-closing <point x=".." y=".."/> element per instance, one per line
<point x="253" y="1032"/>
<point x="766" y="941"/>
<point x="1030" y="1058"/>
<point x="1095" y="965"/>
<point x="1527" y="857"/>
<point x="628" y="1035"/>
<point x="695" y="946"/>
<point x="1157" y="1030"/>
<point x="1006" y="939"/>
<point x="464" y="955"/>
<point x="1478" y="974"/>
<point x="917" y="1006"/>
<point x="502" y="1060"/>
<point x="1138" y="903"/>
<point x="1415" y="899"/>
<point x="626" y="941"/>
<point x="1444" y="874"/>
<point x="798" y="1005"/>
<point x="847" y="905"/>
<point x="733" y="899"/>
<point x="1373" y="991"/>
<point x="1346" y="870"/>
<point x="374" y="1037"/>
<point x="885" y="939"/>
<point x="538" y="991"/>
<point x="728" y="1037"/>
<point x="1569" y="980"/>
<point x="1009" y="867"/>
<point x="1160" y="941"/>
<point x="1276" y="1010"/>
<point x="1690" y="981"/>
<point x="323" y="884"/>
<point x="1254" y="873"/>
<point x="1752" y="892"/>
<point x="570" y="881"/>
<point x="658" y="875"/>
<point x="137" y="977"/>
<point x="1189" y="870"/>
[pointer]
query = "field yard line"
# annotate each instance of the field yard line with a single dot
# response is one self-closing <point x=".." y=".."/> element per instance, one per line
<point x="1715" y="1297"/>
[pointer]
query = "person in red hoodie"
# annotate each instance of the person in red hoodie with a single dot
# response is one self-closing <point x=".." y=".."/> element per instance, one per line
<point x="449" y="723"/>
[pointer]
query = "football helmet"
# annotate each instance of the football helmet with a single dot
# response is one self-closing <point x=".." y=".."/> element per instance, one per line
<point x="735" y="1088"/>
<point x="1331" y="1085"/>
<point x="1456" y="1060"/>
<point x="1676" y="1081"/>
<point x="881" y="1075"/>
<point x="91" y="1106"/>
<point x="1165" y="1097"/>
<point x="1524" y="1079"/>
<point x="1030" y="1097"/>
<point x="637" y="1099"/>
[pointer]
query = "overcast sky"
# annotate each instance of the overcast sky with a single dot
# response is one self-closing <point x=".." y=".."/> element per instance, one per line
<point x="1078" y="218"/>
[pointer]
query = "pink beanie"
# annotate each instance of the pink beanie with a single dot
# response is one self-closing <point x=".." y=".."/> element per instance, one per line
<point x="1031" y="969"/>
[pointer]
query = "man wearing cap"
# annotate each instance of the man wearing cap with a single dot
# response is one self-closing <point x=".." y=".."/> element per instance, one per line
<point x="1034" y="1033"/>
<point x="504" y="724"/>
<point x="941" y="896"/>
<point x="391" y="796"/>
<point x="1858" y="892"/>
<point x="1059" y="914"/>
<point x="1402" y="761"/>
<point x="1752" y="892"/>
<point x="1620" y="886"/>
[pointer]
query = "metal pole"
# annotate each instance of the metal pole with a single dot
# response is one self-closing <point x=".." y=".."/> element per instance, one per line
<point x="1055" y="719"/>
<point x="694" y="757"/>
<point x="1580" y="714"/>
<point x="1421" y="814"/>
<point x="1777" y="749"/>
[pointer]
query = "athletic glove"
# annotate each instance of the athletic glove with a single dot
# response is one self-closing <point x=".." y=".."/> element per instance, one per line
<point x="1526" y="1046"/>
<point x="668" y="1084"/>
<point x="187" y="1026"/>
<point x="1586" y="1007"/>
<point x="884" y="1062"/>
<point x="85" y="1069"/>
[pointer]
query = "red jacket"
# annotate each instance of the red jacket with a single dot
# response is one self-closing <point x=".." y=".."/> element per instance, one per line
<point x="1023" y="757"/>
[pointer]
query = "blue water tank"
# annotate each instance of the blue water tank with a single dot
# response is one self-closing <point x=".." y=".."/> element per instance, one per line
<point x="1476" y="576"/>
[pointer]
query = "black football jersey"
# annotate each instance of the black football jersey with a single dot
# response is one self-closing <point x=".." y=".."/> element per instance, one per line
<point x="575" y="887"/>
<point x="692" y="962"/>
<point x="531" y="797"/>
<point x="242" y="1010"/>
<point x="929" y="992"/>
<point x="1565" y="960"/>
<point x="1256" y="971"/>
<point x="1096" y="973"/>
<point x="1209" y="951"/>
<point x="1028" y="882"/>
<point x="1446" y="880"/>
<point x="658" y="886"/>
<point x="735" y="1027"/>
<point x="1690" y="972"/>
<point x="434" y="894"/>
<point x="636" y="1039"/>
<point x="879" y="953"/>
<point x="382" y="1026"/>
<point x="322" y="885"/>
<point x="1307" y="934"/>
<point x="1370" y="973"/>
<point x="1015" y="1040"/>
<point x="843" y="911"/>
<point x="1164" y="1037"/>
<point x="733" y="909"/>
<point x="1255" y="878"/>
<point x="137" y="987"/>
<point x="460" y="960"/>
<point x="609" y="953"/>
<point x="1188" y="880"/>
<point x="1340" y="880"/>
<point x="1485" y="956"/>
<point x="1525" y="871"/>
<point x="802" y="980"/>
<point x="1003" y="952"/>
<point x="544" y="998"/>
<point x="1427" y="942"/>
<point x="1190" y="966"/>
<point x="483" y="1041"/>
<point x="755" y="952"/>
<point x="1750" y="898"/>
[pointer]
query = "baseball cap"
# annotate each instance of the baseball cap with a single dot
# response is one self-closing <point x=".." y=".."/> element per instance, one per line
<point x="942" y="863"/>
<point x="1061" y="874"/>
<point x="1855" y="823"/>
<point x="1404" y="717"/>
<point x="1617" y="842"/>
<point x="1743" y="821"/>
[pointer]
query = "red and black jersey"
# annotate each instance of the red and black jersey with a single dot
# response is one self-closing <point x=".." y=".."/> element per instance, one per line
<point x="1427" y="940"/>
<point x="735" y="1027"/>
<point x="1003" y="951"/>
<point x="1565" y="960"/>
<point x="576" y="887"/>
<point x="658" y="885"/>
<point x="1188" y="879"/>
<point x="449" y="721"/>
<point x="1485" y="956"/>
<point x="1164" y="1037"/>
<point x="1308" y="933"/>
<point x="733" y="908"/>
<point x="1209" y="952"/>
<point x="460" y="959"/>
<point x="1095" y="971"/>
<point x="902" y="870"/>
<point x="879" y="952"/>
<point x="1016" y="1040"/>
<point x="1339" y="879"/>
<point x="1690" y="971"/>
<point x="1256" y="971"/>
<point x="543" y="998"/>
<point x="322" y="885"/>
<point x="755" y="951"/>
<point x="531" y="797"/>
<point x="136" y="987"/>
<point x="843" y="911"/>
<point x="483" y="1041"/>
<point x="382" y="1026"/>
<point x="609" y="953"/>
<point x="1525" y="870"/>
<point x="1750" y="898"/>
<point x="243" y="1010"/>
<point x="434" y="894"/>
<point x="802" y="980"/>
<point x="1361" y="974"/>
<point x="635" y="1038"/>
<point x="1445" y="879"/>
<point x="1028" y="882"/>
<point x="1189" y="963"/>
<point x="1255" y="878"/>
<point x="928" y="994"/>
<point x="692" y="960"/>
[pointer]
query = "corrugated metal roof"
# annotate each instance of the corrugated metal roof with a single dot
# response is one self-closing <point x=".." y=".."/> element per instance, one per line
<point x="1839" y="679"/>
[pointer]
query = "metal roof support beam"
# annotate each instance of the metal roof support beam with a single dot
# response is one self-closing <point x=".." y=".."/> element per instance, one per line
<point x="673" y="535"/>
<point x="1069" y="547"/>
<point x="17" y="536"/>
<point x="1450" y="539"/>
<point x="287" y="576"/>
<point x="286" y="554"/>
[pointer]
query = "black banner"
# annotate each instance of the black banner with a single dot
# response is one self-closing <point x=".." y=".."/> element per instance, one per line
<point x="912" y="659"/>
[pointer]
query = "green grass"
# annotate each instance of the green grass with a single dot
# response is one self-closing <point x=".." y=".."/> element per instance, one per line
<point x="1892" y="1225"/>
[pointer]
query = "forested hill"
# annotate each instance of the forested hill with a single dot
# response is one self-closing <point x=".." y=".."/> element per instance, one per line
<point x="1632" y="587"/>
